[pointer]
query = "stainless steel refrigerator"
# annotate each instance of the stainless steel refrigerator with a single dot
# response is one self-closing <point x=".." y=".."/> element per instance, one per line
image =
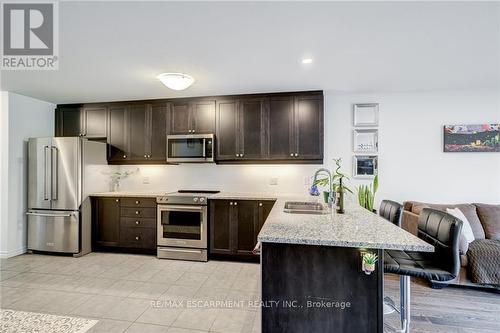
<point x="62" y="172"/>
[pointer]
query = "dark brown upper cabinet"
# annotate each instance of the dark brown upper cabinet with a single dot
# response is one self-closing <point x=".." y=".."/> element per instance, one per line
<point x="192" y="117"/>
<point x="90" y="122"/>
<point x="295" y="125"/>
<point x="241" y="131"/>
<point x="68" y="121"/>
<point x="94" y="121"/>
<point x="118" y="128"/>
<point x="137" y="134"/>
<point x="158" y="133"/>
<point x="255" y="128"/>
<point x="308" y="127"/>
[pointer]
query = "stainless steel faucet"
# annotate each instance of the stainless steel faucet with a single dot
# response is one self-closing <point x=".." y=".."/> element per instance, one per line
<point x="330" y="183"/>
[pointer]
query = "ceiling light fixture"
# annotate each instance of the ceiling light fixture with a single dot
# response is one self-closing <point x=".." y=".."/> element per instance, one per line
<point x="307" y="61"/>
<point x="176" y="81"/>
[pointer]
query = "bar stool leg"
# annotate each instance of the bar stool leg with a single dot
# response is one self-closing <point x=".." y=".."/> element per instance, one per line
<point x="404" y="285"/>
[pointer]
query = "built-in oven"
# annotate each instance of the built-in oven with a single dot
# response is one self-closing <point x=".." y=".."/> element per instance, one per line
<point x="182" y="227"/>
<point x="190" y="148"/>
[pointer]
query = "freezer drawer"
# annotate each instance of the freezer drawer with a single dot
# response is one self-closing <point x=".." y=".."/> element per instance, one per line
<point x="53" y="231"/>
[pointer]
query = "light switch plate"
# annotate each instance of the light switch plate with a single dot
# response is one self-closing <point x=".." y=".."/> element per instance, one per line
<point x="273" y="181"/>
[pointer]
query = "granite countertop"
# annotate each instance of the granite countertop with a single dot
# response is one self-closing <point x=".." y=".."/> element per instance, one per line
<point x="356" y="228"/>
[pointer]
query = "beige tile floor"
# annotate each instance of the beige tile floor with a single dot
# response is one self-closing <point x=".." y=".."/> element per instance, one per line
<point x="138" y="293"/>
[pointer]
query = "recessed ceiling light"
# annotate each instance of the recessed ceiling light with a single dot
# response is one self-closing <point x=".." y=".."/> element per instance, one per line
<point x="307" y="61"/>
<point x="176" y="81"/>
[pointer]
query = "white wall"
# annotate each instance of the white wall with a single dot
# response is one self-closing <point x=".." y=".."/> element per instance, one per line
<point x="413" y="165"/>
<point x="27" y="117"/>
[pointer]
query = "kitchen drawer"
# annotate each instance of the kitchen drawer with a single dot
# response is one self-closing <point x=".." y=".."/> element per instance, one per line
<point x="138" y="212"/>
<point x="138" y="237"/>
<point x="139" y="222"/>
<point x="138" y="202"/>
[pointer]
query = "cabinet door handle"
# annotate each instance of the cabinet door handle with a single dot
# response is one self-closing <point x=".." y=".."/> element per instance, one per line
<point x="117" y="200"/>
<point x="137" y="222"/>
<point x="241" y="155"/>
<point x="136" y="237"/>
<point x="137" y="202"/>
<point x="260" y="204"/>
<point x="124" y="156"/>
<point x="296" y="154"/>
<point x="237" y="155"/>
<point x="291" y="154"/>
<point x="145" y="156"/>
<point x="236" y="204"/>
<point x="137" y="212"/>
<point x="230" y="203"/>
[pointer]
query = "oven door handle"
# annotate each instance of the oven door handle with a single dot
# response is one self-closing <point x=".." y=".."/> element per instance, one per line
<point x="181" y="208"/>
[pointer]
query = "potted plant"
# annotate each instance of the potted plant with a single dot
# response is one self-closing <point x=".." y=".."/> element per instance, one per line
<point x="366" y="194"/>
<point x="334" y="181"/>
<point x="369" y="261"/>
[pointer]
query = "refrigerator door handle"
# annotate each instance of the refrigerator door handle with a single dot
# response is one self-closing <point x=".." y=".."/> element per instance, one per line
<point x="47" y="173"/>
<point x="50" y="215"/>
<point x="54" y="172"/>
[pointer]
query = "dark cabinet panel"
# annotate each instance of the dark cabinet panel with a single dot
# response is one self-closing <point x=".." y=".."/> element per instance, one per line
<point x="281" y="128"/>
<point x="235" y="224"/>
<point x="118" y="134"/>
<point x="227" y="136"/>
<point x="106" y="222"/>
<point x="220" y="227"/>
<point x="158" y="132"/>
<point x="95" y="120"/>
<point x="138" y="132"/>
<point x="309" y="127"/>
<point x="118" y="223"/>
<point x="68" y="121"/>
<point x="247" y="226"/>
<point x="252" y="129"/>
<point x="179" y="117"/>
<point x="203" y="117"/>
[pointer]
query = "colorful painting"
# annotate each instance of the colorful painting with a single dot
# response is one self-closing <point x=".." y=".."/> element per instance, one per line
<point x="472" y="138"/>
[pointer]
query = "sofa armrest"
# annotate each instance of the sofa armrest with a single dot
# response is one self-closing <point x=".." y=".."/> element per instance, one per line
<point x="410" y="222"/>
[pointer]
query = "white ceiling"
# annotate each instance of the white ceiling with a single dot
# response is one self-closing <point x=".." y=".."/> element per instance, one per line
<point x="113" y="51"/>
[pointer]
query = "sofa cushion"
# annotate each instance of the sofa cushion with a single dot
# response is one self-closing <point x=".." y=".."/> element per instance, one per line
<point x="469" y="211"/>
<point x="467" y="236"/>
<point x="490" y="219"/>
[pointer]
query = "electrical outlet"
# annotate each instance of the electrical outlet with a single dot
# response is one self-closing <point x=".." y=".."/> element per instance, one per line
<point x="273" y="181"/>
<point x="145" y="180"/>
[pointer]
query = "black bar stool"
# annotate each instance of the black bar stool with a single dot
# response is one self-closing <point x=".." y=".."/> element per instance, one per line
<point x="392" y="211"/>
<point x="440" y="230"/>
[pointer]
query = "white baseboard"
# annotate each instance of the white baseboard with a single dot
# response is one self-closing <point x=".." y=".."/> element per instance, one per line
<point x="12" y="253"/>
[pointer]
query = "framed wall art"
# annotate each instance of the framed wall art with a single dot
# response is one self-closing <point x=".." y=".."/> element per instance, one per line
<point x="472" y="138"/>
<point x="365" y="166"/>
<point x="365" y="141"/>
<point x="365" y="115"/>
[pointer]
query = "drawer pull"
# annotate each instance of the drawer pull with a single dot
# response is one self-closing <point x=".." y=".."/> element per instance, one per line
<point x="137" y="222"/>
<point x="136" y="237"/>
<point x="137" y="212"/>
<point x="117" y="200"/>
<point x="137" y="202"/>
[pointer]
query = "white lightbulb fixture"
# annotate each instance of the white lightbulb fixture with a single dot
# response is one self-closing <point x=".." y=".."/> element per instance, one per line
<point x="307" y="61"/>
<point x="176" y="81"/>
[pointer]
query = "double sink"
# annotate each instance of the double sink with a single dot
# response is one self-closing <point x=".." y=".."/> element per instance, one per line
<point x="305" y="207"/>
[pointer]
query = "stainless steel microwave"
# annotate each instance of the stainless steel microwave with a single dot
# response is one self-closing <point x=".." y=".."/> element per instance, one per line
<point x="190" y="148"/>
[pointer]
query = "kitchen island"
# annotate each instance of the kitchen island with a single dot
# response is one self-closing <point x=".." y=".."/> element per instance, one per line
<point x="312" y="277"/>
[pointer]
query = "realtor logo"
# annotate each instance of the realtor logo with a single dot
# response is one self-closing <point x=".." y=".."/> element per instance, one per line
<point x="29" y="36"/>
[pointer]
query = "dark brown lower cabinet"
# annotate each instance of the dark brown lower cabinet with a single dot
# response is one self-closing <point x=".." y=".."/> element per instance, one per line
<point x="124" y="223"/>
<point x="234" y="226"/>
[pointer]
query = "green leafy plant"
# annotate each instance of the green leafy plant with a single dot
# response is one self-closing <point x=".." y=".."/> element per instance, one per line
<point x="366" y="194"/>
<point x="370" y="258"/>
<point x="336" y="178"/>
